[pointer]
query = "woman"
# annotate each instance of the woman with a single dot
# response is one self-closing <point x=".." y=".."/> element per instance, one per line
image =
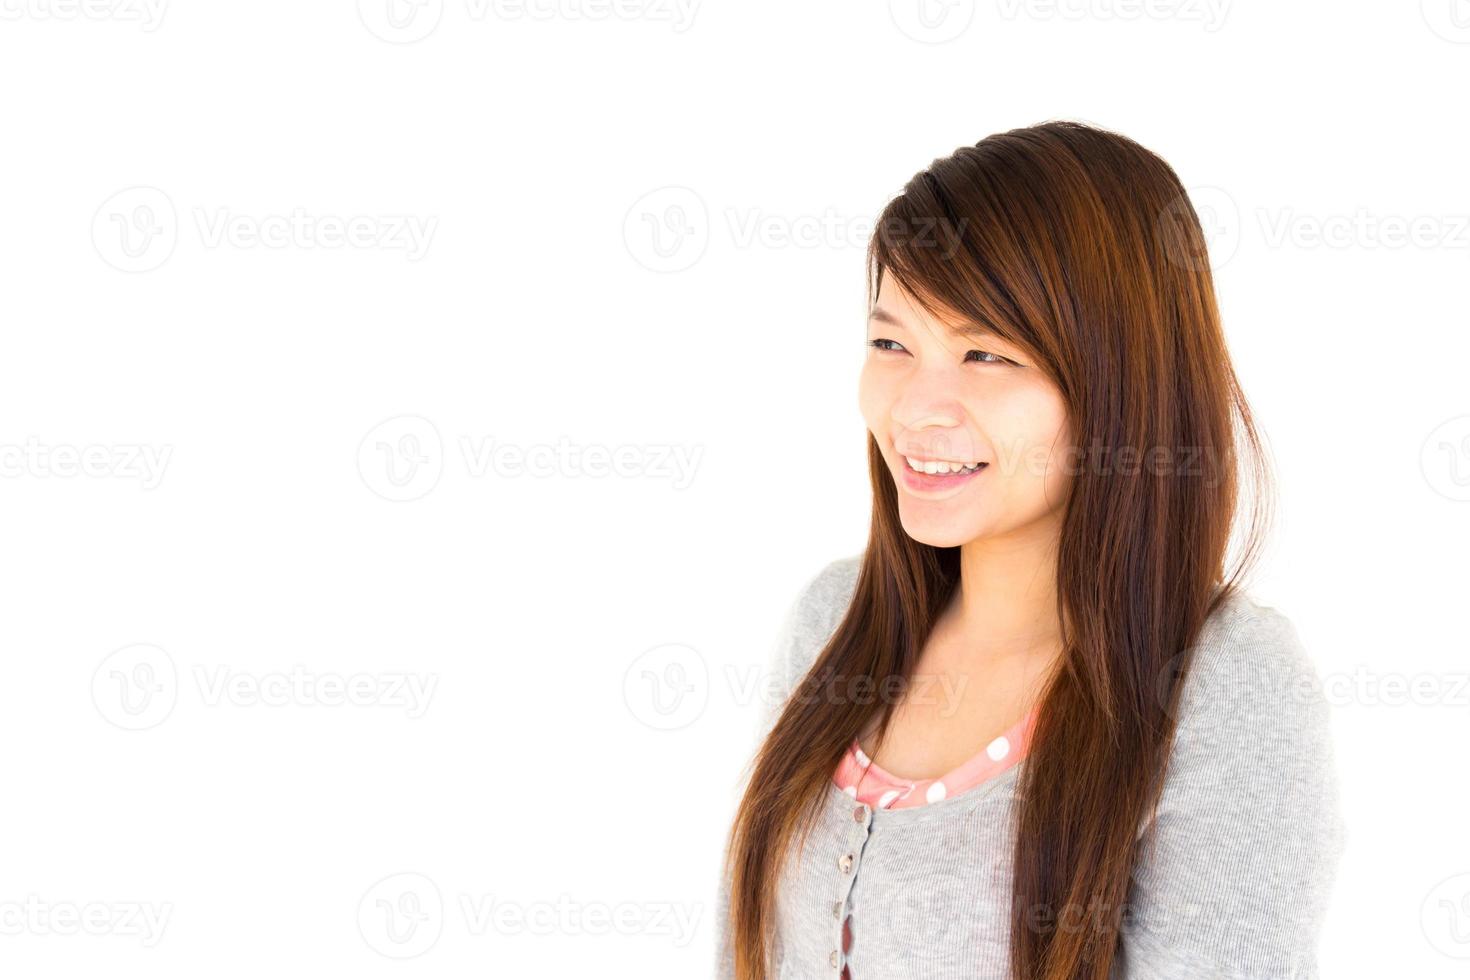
<point x="1033" y="730"/>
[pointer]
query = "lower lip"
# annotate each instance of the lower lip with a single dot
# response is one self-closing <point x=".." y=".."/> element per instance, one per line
<point x="935" y="482"/>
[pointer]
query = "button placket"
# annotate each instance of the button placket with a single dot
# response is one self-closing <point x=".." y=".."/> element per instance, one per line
<point x="847" y="864"/>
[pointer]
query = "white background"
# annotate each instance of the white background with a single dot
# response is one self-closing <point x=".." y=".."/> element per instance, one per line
<point x="640" y="234"/>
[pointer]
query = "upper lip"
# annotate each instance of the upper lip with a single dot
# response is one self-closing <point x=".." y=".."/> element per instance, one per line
<point x="929" y="459"/>
<point x="937" y="459"/>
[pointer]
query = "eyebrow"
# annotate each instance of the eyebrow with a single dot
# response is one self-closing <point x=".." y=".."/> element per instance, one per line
<point x="975" y="331"/>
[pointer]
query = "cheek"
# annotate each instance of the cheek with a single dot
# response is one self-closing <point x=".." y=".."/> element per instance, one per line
<point x="1029" y="424"/>
<point x="1054" y="433"/>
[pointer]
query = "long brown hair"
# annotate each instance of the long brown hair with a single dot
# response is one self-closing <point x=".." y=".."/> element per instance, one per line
<point x="1082" y="248"/>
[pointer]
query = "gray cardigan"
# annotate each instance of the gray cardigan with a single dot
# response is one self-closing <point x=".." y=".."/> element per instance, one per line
<point x="1249" y="833"/>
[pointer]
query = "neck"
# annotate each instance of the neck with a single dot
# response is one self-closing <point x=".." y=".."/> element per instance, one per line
<point x="1006" y="602"/>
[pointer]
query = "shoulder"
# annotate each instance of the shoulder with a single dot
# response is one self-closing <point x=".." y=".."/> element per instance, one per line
<point x="1251" y="688"/>
<point x="1253" y="722"/>
<point x="1241" y="854"/>
<point x="811" y="618"/>
<point x="823" y="599"/>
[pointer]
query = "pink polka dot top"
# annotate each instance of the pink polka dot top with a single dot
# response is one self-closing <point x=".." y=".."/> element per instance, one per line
<point x="866" y="781"/>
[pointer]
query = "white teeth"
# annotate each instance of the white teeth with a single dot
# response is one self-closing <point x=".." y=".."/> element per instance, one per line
<point x="939" y="468"/>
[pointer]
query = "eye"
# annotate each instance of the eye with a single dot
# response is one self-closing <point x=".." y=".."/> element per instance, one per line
<point x="985" y="357"/>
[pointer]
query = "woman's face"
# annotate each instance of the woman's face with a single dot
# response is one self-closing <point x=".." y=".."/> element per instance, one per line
<point x="929" y="393"/>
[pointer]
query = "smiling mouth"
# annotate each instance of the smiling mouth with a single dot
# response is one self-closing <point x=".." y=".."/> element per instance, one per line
<point x="937" y="467"/>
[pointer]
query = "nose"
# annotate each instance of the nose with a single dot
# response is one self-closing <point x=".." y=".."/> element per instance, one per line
<point x="926" y="402"/>
<point x="930" y="420"/>
<point x="929" y="395"/>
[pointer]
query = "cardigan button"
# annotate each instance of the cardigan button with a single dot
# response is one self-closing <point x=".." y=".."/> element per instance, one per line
<point x="836" y="910"/>
<point x="858" y="813"/>
<point x="833" y="959"/>
<point x="845" y="863"/>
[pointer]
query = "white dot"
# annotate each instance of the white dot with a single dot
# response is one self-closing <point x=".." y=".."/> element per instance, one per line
<point x="997" y="750"/>
<point x="936" y="792"/>
<point x="850" y="791"/>
<point x="887" y="799"/>
<point x="862" y="758"/>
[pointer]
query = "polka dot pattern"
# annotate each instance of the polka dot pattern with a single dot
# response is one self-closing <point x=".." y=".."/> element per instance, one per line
<point x="863" y="779"/>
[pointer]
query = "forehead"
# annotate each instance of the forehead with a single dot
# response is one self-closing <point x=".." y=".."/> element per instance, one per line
<point x="909" y="316"/>
<point x="895" y="306"/>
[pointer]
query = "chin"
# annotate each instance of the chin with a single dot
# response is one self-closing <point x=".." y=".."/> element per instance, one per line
<point x="946" y="535"/>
